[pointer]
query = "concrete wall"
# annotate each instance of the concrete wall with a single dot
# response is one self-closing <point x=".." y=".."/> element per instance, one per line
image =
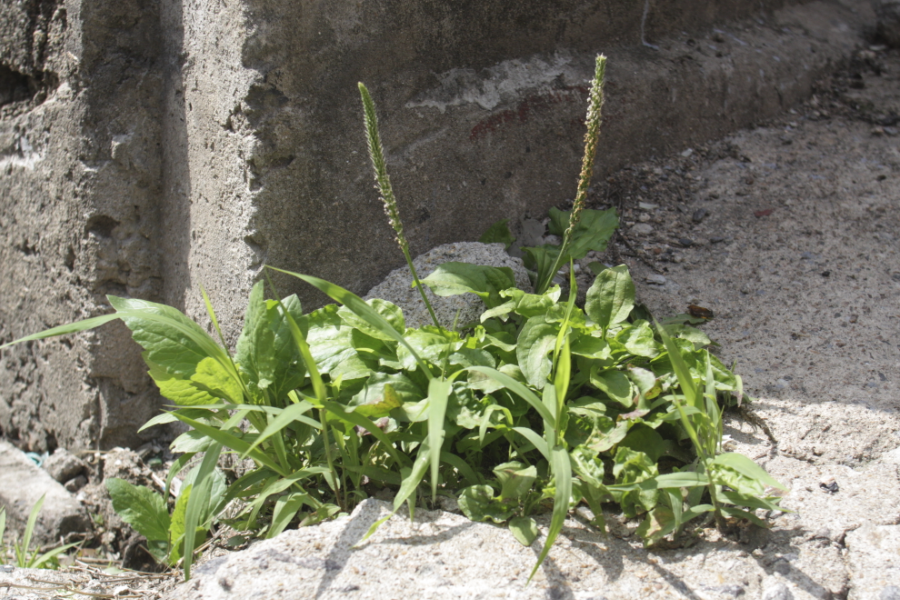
<point x="148" y="148"/>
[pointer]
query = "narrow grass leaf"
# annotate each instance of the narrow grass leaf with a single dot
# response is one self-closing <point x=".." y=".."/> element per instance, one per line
<point x="83" y="325"/>
<point x="561" y="468"/>
<point x="197" y="503"/>
<point x="518" y="389"/>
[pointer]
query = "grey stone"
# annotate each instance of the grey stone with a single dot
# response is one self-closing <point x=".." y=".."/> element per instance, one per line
<point x="778" y="591"/>
<point x="63" y="466"/>
<point x="397" y="286"/>
<point x="22" y="484"/>
<point x="642" y="229"/>
<point x="890" y="592"/>
<point x="655" y="279"/>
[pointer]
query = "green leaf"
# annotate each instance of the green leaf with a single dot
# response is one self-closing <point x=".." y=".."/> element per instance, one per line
<point x="638" y="339"/>
<point x="454" y="278"/>
<point x="182" y="392"/>
<point x="359" y="307"/>
<point x="523" y="303"/>
<point x="524" y="529"/>
<point x="328" y="339"/>
<point x="438" y="393"/>
<point x="176" y="527"/>
<point x="198" y="504"/>
<point x="389" y="312"/>
<point x="515" y="479"/>
<point x="593" y="231"/>
<point x="83" y="325"/>
<point x="561" y="469"/>
<point x="518" y="389"/>
<point x="140" y="507"/>
<point x="498" y="233"/>
<point x="615" y="384"/>
<point x="384" y="392"/>
<point x="478" y="504"/>
<point x="536" y="341"/>
<point x="611" y="297"/>
<point x="171" y="340"/>
<point x="748" y="468"/>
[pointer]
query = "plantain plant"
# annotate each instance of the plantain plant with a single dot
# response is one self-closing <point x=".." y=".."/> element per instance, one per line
<point x="539" y="406"/>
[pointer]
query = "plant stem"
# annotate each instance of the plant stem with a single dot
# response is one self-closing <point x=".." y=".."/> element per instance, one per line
<point x="383" y="185"/>
<point x="334" y="476"/>
<point x="594" y="119"/>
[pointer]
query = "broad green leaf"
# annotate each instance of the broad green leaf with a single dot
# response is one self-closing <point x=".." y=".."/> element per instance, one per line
<point x="498" y="233"/>
<point x="171" y="340"/>
<point x="140" y="507"/>
<point x="515" y="479"/>
<point x="179" y="390"/>
<point x="289" y="370"/>
<point x="328" y="339"/>
<point x="375" y="401"/>
<point x="638" y="339"/>
<point x="255" y="350"/>
<point x="388" y="311"/>
<point x="611" y="297"/>
<point x="523" y="303"/>
<point x="478" y="504"/>
<point x="593" y="231"/>
<point x="218" y="381"/>
<point x="646" y="440"/>
<point x="438" y="393"/>
<point x="524" y="529"/>
<point x="428" y="343"/>
<point x="454" y="278"/>
<point x="748" y="468"/>
<point x="358" y="306"/>
<point x="591" y="346"/>
<point x="615" y="384"/>
<point x="536" y="341"/>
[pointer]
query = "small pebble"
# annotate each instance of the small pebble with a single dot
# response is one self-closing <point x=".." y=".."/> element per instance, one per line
<point x="647" y="206"/>
<point x="642" y="229"/>
<point x="716" y="240"/>
<point x="687" y="243"/>
<point x="655" y="279"/>
<point x="829" y="484"/>
<point x="877" y="131"/>
<point x="699" y="214"/>
<point x="779" y="591"/>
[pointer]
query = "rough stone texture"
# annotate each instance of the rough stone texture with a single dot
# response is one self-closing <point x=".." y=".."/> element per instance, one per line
<point x="147" y="149"/>
<point x="63" y="466"/>
<point x="22" y="483"/>
<point x="888" y="13"/>
<point x="397" y="286"/>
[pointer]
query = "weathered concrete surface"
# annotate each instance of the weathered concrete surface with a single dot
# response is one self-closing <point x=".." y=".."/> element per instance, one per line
<point x="147" y="149"/>
<point x="80" y="181"/>
<point x="22" y="484"/>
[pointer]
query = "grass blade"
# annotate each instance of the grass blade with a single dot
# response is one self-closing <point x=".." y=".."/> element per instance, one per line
<point x="562" y="472"/>
<point x="520" y="390"/>
<point x="83" y="325"/>
<point x="196" y="503"/>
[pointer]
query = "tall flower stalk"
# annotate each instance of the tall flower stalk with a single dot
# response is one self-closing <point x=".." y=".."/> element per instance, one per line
<point x="383" y="185"/>
<point x="594" y="119"/>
